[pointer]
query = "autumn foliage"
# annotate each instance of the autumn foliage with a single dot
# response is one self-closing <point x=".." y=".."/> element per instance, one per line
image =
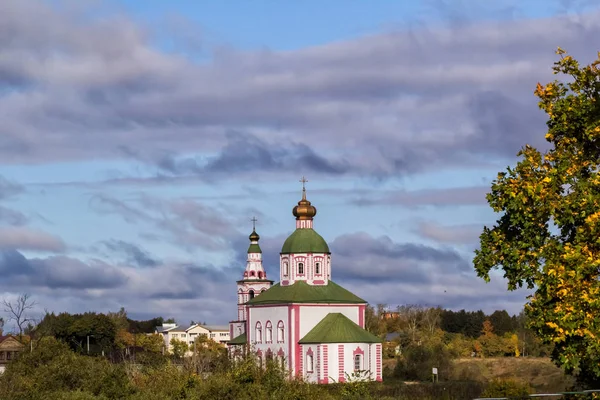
<point x="547" y="237"/>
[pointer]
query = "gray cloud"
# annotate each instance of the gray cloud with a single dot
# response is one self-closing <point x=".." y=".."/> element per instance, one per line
<point x="57" y="272"/>
<point x="447" y="197"/>
<point x="133" y="254"/>
<point x="383" y="271"/>
<point x="184" y="222"/>
<point x="376" y="93"/>
<point x="23" y="238"/>
<point x="449" y="234"/>
<point x="12" y="217"/>
<point x="9" y="188"/>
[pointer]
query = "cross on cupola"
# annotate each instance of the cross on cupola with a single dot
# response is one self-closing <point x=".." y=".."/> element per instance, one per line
<point x="253" y="223"/>
<point x="303" y="180"/>
<point x="304" y="211"/>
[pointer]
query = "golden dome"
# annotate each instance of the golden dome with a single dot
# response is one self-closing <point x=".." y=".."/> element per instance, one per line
<point x="304" y="210"/>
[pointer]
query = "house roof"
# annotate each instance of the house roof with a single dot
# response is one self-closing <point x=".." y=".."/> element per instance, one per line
<point x="216" y="328"/>
<point x="337" y="328"/>
<point x="6" y="337"/>
<point x="241" y="339"/>
<point x="302" y="292"/>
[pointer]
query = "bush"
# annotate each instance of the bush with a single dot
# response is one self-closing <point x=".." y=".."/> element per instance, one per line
<point x="507" y="388"/>
<point x="417" y="362"/>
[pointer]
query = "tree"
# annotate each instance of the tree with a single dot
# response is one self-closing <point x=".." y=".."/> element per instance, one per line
<point x="546" y="237"/>
<point x="18" y="311"/>
<point x="178" y="348"/>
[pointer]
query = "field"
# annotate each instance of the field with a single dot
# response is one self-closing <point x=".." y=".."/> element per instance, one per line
<point x="540" y="373"/>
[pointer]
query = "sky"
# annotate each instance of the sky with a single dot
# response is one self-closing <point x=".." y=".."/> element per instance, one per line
<point x="139" y="138"/>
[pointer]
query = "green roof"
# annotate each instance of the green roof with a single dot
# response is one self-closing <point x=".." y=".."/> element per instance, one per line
<point x="302" y="292"/>
<point x="241" y="339"/>
<point x="254" y="248"/>
<point x="304" y="240"/>
<point x="337" y="328"/>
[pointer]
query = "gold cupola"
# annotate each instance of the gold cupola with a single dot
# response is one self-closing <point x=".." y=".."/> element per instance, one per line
<point x="304" y="210"/>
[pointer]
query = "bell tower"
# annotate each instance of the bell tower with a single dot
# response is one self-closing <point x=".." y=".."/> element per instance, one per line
<point x="254" y="281"/>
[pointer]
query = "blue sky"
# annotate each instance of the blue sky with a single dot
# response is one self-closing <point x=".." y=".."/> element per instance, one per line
<point x="139" y="138"/>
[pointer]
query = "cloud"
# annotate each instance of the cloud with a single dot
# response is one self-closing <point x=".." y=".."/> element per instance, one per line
<point x="9" y="188"/>
<point x="23" y="238"/>
<point x="454" y="234"/>
<point x="384" y="271"/>
<point x="57" y="272"/>
<point x="12" y="217"/>
<point x="447" y="197"/>
<point x="313" y="107"/>
<point x="133" y="253"/>
<point x="184" y="222"/>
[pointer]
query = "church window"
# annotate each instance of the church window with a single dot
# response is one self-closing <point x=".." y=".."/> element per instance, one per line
<point x="309" y="363"/>
<point x="300" y="268"/>
<point x="251" y="273"/>
<point x="260" y="274"/>
<point x="258" y="332"/>
<point x="317" y="268"/>
<point x="285" y="269"/>
<point x="251" y="294"/>
<point x="280" y="332"/>
<point x="357" y="362"/>
<point x="269" y="332"/>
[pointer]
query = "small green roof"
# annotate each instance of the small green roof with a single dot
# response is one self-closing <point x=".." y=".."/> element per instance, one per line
<point x="304" y="240"/>
<point x="241" y="339"/>
<point x="337" y="328"/>
<point x="254" y="248"/>
<point x="302" y="292"/>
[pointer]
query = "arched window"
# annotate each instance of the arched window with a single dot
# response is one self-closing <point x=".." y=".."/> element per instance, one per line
<point x="300" y="268"/>
<point x="309" y="362"/>
<point x="260" y="274"/>
<point x="251" y="294"/>
<point x="317" y="268"/>
<point x="269" y="332"/>
<point x="286" y="270"/>
<point x="258" y="332"/>
<point x="357" y="362"/>
<point x="280" y="332"/>
<point x="251" y="273"/>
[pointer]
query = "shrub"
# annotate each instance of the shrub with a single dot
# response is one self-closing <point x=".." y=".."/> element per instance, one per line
<point x="507" y="388"/>
<point x="417" y="362"/>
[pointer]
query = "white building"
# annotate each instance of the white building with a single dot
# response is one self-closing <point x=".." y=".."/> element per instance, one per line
<point x="189" y="333"/>
<point x="313" y="326"/>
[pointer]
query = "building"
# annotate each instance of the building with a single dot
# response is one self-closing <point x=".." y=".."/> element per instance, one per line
<point x="310" y="324"/>
<point x="189" y="333"/>
<point x="10" y="347"/>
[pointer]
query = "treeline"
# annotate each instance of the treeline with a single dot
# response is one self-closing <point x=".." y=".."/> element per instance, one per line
<point x="113" y="334"/>
<point x="461" y="333"/>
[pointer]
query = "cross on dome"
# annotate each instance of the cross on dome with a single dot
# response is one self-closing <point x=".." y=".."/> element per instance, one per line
<point x="303" y="180"/>
<point x="253" y="223"/>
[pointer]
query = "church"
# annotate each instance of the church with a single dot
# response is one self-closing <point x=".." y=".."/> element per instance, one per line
<point x="309" y="324"/>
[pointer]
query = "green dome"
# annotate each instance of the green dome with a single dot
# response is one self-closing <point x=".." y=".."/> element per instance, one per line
<point x="305" y="240"/>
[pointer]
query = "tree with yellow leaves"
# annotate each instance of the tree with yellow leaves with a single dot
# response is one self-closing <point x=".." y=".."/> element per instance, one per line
<point x="547" y="237"/>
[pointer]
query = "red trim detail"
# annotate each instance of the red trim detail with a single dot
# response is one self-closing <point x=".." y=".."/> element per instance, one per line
<point x="358" y="351"/>
<point x="361" y="316"/>
<point x="290" y="353"/>
<point x="325" y="364"/>
<point x="341" y="375"/>
<point x="297" y="337"/>
<point x="281" y="353"/>
<point x="284" y="283"/>
<point x="378" y="362"/>
<point x="319" y="282"/>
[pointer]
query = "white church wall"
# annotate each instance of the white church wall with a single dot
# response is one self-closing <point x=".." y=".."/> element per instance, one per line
<point x="311" y="315"/>
<point x="274" y="315"/>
